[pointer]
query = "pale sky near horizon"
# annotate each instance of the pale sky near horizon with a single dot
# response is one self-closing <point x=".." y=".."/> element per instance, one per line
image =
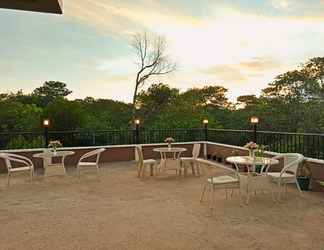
<point x="239" y="44"/>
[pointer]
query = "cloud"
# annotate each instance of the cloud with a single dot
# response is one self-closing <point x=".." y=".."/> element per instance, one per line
<point x="120" y="18"/>
<point x="281" y="4"/>
<point x="225" y="73"/>
<point x="244" y="70"/>
<point x="260" y="64"/>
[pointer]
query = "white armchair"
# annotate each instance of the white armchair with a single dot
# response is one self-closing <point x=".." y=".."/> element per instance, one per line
<point x="288" y="174"/>
<point x="142" y="164"/>
<point x="84" y="161"/>
<point x="26" y="165"/>
<point x="227" y="182"/>
<point x="185" y="161"/>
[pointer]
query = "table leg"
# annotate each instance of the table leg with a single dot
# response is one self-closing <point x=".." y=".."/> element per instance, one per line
<point x="46" y="162"/>
<point x="151" y="170"/>
<point x="63" y="164"/>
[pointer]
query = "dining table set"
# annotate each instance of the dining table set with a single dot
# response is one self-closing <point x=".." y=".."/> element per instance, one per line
<point x="173" y="153"/>
<point x="252" y="175"/>
<point x="54" y="161"/>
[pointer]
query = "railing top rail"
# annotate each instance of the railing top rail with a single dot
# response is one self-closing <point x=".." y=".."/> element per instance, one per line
<point x="265" y="132"/>
<point x="94" y="131"/>
<point x="229" y="130"/>
<point x="290" y="133"/>
<point x="148" y="129"/>
<point x="63" y="131"/>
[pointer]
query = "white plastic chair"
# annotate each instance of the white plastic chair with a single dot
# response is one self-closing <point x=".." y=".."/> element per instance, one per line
<point x="142" y="164"/>
<point x="227" y="182"/>
<point x="185" y="161"/>
<point x="288" y="173"/>
<point x="85" y="163"/>
<point x="27" y="165"/>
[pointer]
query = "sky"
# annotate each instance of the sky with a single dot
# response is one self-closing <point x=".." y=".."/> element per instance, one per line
<point x="239" y="44"/>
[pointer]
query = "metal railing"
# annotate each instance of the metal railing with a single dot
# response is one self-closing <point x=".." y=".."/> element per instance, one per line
<point x="310" y="145"/>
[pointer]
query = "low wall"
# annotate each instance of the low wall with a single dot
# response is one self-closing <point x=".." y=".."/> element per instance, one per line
<point x="112" y="153"/>
<point x="127" y="153"/>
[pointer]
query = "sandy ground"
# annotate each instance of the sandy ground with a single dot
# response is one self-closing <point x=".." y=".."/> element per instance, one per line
<point x="123" y="212"/>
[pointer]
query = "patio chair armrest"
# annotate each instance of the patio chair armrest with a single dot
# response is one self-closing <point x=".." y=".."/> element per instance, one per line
<point x="264" y="169"/>
<point x="267" y="167"/>
<point x="91" y="153"/>
<point x="23" y="161"/>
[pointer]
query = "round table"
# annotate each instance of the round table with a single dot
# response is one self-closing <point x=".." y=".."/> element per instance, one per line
<point x="164" y="156"/>
<point x="50" y="167"/>
<point x="252" y="176"/>
<point x="251" y="162"/>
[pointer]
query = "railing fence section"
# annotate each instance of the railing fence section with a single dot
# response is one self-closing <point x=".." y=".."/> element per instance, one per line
<point x="310" y="145"/>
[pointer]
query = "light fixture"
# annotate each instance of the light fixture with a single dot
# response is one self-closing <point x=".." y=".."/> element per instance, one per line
<point x="46" y="123"/>
<point x="254" y="120"/>
<point x="137" y="121"/>
<point x="205" y="121"/>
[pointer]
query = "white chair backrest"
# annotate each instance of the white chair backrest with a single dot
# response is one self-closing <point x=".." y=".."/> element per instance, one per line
<point x="196" y="150"/>
<point x="139" y="151"/>
<point x="291" y="162"/>
<point x="96" y="152"/>
<point x="207" y="164"/>
<point x="8" y="158"/>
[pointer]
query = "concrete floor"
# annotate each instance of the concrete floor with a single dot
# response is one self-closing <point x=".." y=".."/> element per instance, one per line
<point x="123" y="212"/>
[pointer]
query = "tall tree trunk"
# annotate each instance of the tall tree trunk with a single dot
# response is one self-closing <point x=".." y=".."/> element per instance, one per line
<point x="135" y="94"/>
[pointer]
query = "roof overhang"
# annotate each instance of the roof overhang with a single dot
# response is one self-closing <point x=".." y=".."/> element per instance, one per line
<point x="47" y="6"/>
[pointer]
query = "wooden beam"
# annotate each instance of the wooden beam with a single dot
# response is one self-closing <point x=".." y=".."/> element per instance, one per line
<point x="46" y="6"/>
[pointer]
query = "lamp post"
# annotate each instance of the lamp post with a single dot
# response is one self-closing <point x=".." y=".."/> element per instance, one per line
<point x="46" y="124"/>
<point x="137" y="124"/>
<point x="205" y="122"/>
<point x="254" y="121"/>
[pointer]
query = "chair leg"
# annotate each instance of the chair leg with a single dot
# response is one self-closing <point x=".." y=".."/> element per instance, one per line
<point x="143" y="171"/>
<point x="139" y="171"/>
<point x="286" y="190"/>
<point x="192" y="168"/>
<point x="31" y="176"/>
<point x="203" y="193"/>
<point x="198" y="169"/>
<point x="185" y="170"/>
<point x="240" y="198"/>
<point x="226" y="193"/>
<point x="298" y="187"/>
<point x="79" y="174"/>
<point x="213" y="197"/>
<point x="248" y="190"/>
<point x="8" y="179"/>
<point x="98" y="173"/>
<point x="279" y="190"/>
<point x="273" y="193"/>
<point x="152" y="169"/>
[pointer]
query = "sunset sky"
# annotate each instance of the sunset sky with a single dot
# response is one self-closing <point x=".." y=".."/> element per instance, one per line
<point x="240" y="44"/>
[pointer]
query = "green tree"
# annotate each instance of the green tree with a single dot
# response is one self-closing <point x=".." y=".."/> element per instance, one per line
<point x="65" y="114"/>
<point x="50" y="91"/>
<point x="155" y="100"/>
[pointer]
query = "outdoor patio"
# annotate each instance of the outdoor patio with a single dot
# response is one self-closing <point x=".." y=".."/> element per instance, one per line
<point x="124" y="212"/>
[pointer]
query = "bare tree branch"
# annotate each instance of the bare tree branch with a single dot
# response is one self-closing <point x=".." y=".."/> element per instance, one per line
<point x="152" y="59"/>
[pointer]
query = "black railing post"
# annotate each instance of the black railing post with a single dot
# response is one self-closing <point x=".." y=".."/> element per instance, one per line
<point x="94" y="138"/>
<point x="254" y="120"/>
<point x="205" y="122"/>
<point x="46" y="137"/>
<point x="46" y="124"/>
<point x="137" y="132"/>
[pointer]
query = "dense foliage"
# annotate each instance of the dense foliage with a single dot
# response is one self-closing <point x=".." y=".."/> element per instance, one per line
<point x="292" y="102"/>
